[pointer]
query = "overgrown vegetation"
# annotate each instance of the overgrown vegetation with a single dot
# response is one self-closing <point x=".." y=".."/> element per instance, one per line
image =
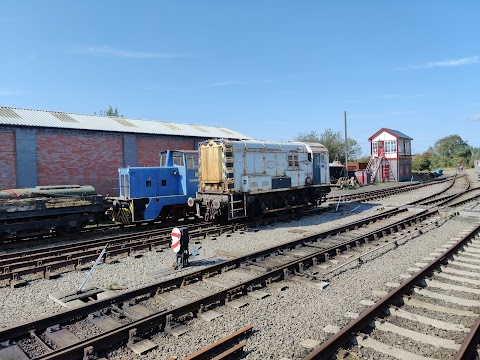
<point x="449" y="151"/>
<point x="334" y="142"/>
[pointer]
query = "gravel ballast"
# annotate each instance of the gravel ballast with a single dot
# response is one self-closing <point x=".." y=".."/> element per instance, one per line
<point x="283" y="319"/>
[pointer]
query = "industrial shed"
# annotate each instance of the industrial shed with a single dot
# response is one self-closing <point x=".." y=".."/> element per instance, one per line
<point x="54" y="148"/>
<point x="390" y="156"/>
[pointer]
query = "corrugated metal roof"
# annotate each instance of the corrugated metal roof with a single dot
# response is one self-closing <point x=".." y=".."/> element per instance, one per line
<point x="54" y="119"/>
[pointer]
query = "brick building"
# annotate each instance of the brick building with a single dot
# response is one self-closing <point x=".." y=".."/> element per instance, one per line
<point x="54" y="148"/>
<point x="390" y="156"/>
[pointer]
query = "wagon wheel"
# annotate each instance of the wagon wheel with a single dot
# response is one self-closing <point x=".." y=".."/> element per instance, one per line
<point x="68" y="232"/>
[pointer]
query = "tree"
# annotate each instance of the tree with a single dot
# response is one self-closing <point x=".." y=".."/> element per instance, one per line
<point x="109" y="112"/>
<point x="475" y="151"/>
<point x="424" y="161"/>
<point x="451" y="151"/>
<point x="334" y="142"/>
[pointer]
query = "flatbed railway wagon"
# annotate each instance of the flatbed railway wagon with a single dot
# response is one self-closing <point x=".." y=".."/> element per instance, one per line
<point x="249" y="178"/>
<point x="63" y="208"/>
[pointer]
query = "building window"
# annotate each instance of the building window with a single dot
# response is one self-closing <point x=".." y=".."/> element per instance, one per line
<point x="390" y="146"/>
<point x="374" y="148"/>
<point x="407" y="170"/>
<point x="402" y="167"/>
<point x="293" y="160"/>
<point x="192" y="161"/>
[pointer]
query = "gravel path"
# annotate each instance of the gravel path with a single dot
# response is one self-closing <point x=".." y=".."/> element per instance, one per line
<point x="281" y="320"/>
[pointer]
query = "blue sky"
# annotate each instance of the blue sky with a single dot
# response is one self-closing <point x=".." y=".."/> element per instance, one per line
<point x="268" y="68"/>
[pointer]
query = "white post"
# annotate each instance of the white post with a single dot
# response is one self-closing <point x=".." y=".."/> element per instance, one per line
<point x="338" y="202"/>
<point x="93" y="267"/>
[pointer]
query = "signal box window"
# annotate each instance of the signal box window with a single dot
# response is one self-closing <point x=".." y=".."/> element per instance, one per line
<point x="390" y="146"/>
<point x="293" y="160"/>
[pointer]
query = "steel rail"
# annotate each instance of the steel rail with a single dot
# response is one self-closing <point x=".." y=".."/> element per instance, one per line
<point x="160" y="320"/>
<point x="379" y="193"/>
<point x="330" y="347"/>
<point x="216" y="347"/>
<point x="82" y="254"/>
<point x="468" y="349"/>
<point x="42" y="323"/>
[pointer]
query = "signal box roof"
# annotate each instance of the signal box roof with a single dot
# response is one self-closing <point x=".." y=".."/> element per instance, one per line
<point x="395" y="133"/>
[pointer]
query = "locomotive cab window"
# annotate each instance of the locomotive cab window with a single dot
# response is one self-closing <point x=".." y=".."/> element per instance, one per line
<point x="192" y="161"/>
<point x="148" y="183"/>
<point x="178" y="159"/>
<point x="293" y="160"/>
<point x="163" y="159"/>
<point x="164" y="182"/>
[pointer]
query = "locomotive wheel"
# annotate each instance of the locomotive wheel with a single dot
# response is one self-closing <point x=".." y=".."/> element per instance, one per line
<point x="259" y="210"/>
<point x="303" y="204"/>
<point x="286" y="208"/>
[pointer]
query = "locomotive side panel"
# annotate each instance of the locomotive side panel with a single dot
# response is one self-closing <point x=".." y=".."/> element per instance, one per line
<point x="239" y="178"/>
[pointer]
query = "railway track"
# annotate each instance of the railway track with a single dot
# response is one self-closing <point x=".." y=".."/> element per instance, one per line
<point x="366" y="195"/>
<point x="125" y="317"/>
<point x="414" y="320"/>
<point x="50" y="262"/>
<point x="166" y="305"/>
<point x="113" y="229"/>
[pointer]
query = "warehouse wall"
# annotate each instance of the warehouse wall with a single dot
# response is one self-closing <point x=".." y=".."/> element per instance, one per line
<point x="75" y="157"/>
<point x="8" y="171"/>
<point x="32" y="156"/>
<point x="149" y="146"/>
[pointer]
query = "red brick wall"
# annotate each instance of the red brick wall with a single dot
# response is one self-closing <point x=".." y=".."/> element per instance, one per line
<point x="148" y="148"/>
<point x="8" y="171"/>
<point x="79" y="158"/>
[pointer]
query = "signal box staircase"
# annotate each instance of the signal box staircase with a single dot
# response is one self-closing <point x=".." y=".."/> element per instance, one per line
<point x="374" y="164"/>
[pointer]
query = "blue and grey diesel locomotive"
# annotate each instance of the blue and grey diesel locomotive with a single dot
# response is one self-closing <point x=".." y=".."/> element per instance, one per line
<point x="249" y="178"/>
<point x="153" y="193"/>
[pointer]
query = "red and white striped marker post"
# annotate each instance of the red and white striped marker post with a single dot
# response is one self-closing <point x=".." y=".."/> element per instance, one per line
<point x="176" y="235"/>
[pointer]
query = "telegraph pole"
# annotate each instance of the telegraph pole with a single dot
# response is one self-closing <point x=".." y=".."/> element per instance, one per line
<point x="346" y="144"/>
